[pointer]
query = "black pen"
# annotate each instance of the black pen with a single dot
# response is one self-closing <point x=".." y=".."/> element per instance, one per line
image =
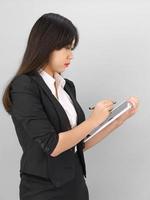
<point x="91" y="108"/>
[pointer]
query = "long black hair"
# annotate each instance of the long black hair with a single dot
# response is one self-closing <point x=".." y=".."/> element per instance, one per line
<point x="50" y="32"/>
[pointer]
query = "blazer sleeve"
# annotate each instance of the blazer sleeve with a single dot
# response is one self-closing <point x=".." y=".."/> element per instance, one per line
<point x="28" y="109"/>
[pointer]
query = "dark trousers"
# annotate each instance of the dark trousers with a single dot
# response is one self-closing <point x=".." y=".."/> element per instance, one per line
<point x="36" y="188"/>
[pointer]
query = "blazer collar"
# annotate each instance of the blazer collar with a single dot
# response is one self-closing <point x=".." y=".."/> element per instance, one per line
<point x="65" y="123"/>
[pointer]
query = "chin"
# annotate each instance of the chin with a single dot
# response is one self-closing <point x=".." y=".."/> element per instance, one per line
<point x="61" y="71"/>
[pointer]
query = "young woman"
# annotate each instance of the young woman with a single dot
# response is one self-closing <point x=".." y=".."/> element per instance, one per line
<point x="49" y="122"/>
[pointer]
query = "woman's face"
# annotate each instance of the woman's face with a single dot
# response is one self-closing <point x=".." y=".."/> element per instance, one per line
<point x="59" y="58"/>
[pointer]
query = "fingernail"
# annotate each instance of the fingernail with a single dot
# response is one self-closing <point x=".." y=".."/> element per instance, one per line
<point x="133" y="104"/>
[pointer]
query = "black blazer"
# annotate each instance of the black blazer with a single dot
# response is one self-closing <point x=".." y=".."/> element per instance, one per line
<point x="38" y="118"/>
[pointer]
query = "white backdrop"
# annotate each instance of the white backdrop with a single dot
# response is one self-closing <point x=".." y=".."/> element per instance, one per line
<point x="111" y="61"/>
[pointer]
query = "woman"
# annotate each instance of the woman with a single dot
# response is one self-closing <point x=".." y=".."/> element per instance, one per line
<point x="49" y="122"/>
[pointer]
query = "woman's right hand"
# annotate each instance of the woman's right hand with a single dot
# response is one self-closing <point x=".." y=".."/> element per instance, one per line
<point x="101" y="111"/>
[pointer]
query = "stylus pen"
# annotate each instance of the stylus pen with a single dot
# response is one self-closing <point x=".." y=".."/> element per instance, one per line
<point x="91" y="108"/>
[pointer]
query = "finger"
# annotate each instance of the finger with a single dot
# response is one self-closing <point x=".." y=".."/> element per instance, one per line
<point x="132" y="102"/>
<point x="109" y="106"/>
<point x="135" y="99"/>
<point x="109" y="101"/>
<point x="132" y="112"/>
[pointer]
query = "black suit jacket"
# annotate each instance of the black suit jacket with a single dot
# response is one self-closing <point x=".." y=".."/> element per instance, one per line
<point x="38" y="118"/>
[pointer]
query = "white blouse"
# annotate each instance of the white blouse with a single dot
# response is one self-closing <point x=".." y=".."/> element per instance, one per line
<point x="63" y="96"/>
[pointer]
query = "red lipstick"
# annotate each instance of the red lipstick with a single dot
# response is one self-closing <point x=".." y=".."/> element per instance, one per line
<point x="66" y="64"/>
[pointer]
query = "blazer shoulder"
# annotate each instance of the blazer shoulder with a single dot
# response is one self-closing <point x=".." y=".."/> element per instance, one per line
<point x="23" y="83"/>
<point x="70" y="82"/>
<point x="72" y="85"/>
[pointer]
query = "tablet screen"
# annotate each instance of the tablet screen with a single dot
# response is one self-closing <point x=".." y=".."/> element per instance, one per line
<point x="114" y="114"/>
<point x="121" y="107"/>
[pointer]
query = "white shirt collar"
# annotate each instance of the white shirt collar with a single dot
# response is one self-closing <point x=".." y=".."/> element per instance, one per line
<point x="60" y="81"/>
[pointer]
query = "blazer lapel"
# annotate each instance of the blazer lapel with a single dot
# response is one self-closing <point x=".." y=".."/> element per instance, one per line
<point x="80" y="113"/>
<point x="80" y="118"/>
<point x="65" y="123"/>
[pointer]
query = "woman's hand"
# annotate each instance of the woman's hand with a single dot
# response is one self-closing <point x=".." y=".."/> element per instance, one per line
<point x="112" y="126"/>
<point x="101" y="111"/>
<point x="135" y="102"/>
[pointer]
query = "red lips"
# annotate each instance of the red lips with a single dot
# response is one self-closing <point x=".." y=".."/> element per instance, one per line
<point x="66" y="64"/>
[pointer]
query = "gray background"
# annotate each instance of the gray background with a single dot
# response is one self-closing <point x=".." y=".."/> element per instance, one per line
<point x="111" y="61"/>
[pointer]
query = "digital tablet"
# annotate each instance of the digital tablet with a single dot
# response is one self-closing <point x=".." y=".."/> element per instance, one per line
<point x="114" y="114"/>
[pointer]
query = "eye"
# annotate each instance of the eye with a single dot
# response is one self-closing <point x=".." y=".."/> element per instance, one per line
<point x="69" y="47"/>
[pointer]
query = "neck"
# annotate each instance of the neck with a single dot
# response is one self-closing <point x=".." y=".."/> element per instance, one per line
<point x="49" y="71"/>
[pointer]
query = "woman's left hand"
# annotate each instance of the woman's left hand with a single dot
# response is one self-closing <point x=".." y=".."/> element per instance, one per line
<point x="135" y="103"/>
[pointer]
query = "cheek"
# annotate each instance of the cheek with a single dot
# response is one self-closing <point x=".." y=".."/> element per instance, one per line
<point x="59" y="57"/>
<point x="58" y="61"/>
<point x="62" y="57"/>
